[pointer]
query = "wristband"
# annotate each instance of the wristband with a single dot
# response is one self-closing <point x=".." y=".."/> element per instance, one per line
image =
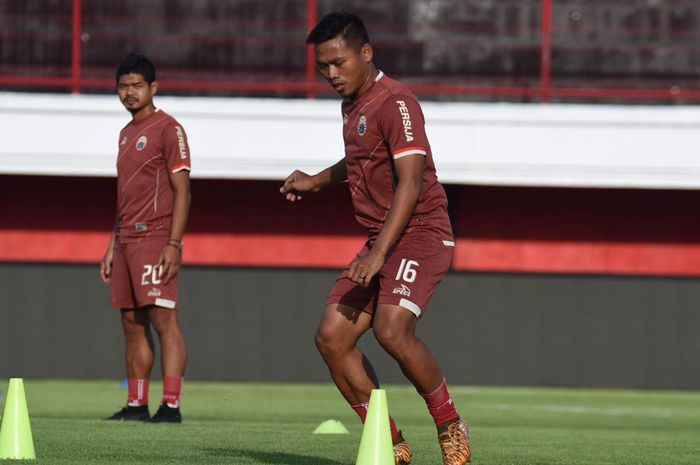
<point x="175" y="243"/>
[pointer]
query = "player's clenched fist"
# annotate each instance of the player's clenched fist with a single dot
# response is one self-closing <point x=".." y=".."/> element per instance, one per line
<point x="296" y="183"/>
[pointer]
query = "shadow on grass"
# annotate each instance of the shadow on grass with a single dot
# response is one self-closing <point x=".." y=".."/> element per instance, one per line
<point x="272" y="458"/>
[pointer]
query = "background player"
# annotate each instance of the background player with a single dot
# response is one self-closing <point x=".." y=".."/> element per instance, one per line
<point x="143" y="257"/>
<point x="396" y="196"/>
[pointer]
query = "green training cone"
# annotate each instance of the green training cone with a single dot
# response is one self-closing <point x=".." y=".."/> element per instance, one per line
<point x="375" y="445"/>
<point x="15" y="433"/>
<point x="331" y="427"/>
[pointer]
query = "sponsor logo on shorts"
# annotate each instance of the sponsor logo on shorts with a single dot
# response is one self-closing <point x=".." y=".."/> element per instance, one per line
<point x="406" y="117"/>
<point x="141" y="143"/>
<point x="362" y="125"/>
<point x="402" y="290"/>
<point x="154" y="292"/>
<point x="140" y="226"/>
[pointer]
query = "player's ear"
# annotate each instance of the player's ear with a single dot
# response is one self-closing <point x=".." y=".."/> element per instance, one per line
<point x="154" y="87"/>
<point x="367" y="53"/>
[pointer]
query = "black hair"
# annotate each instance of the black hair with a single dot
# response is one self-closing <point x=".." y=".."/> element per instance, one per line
<point x="349" y="26"/>
<point x="137" y="64"/>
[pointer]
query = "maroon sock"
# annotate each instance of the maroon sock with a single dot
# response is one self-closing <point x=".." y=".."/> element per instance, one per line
<point x="361" y="410"/>
<point x="440" y="405"/>
<point x="138" y="392"/>
<point x="172" y="389"/>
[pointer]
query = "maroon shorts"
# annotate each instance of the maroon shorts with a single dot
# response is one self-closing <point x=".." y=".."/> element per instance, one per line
<point x="410" y="275"/>
<point x="135" y="278"/>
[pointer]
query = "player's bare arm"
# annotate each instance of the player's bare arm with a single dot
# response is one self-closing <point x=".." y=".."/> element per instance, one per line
<point x="299" y="182"/>
<point x="106" y="263"/>
<point x="170" y="257"/>
<point x="410" y="173"/>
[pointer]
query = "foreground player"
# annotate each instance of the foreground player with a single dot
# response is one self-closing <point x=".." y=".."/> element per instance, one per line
<point x="143" y="257"/>
<point x="396" y="196"/>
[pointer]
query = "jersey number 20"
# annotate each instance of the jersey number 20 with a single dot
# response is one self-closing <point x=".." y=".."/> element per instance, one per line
<point x="153" y="272"/>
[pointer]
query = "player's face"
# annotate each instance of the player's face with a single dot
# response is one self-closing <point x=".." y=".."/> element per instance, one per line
<point x="135" y="93"/>
<point x="347" y="70"/>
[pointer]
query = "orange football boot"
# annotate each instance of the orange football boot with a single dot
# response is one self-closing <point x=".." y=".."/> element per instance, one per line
<point x="454" y="442"/>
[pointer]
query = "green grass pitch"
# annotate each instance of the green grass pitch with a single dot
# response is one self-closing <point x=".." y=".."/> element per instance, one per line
<point x="271" y="423"/>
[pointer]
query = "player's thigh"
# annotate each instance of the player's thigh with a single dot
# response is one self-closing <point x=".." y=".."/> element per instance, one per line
<point x="147" y="284"/>
<point x="413" y="270"/>
<point x="121" y="290"/>
<point x="341" y="326"/>
<point x="393" y="322"/>
<point x="352" y="294"/>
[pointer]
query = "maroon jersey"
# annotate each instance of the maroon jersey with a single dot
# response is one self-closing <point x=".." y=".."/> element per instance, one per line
<point x="381" y="126"/>
<point x="148" y="152"/>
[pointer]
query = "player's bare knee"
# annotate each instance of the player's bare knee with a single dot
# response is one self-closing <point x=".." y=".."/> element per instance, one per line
<point x="164" y="322"/>
<point x="322" y="340"/>
<point x="391" y="339"/>
<point x="329" y="343"/>
<point x="133" y="323"/>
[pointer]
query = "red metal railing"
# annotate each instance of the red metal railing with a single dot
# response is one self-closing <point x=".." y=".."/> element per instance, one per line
<point x="546" y="51"/>
<point x="556" y="36"/>
<point x="76" y="50"/>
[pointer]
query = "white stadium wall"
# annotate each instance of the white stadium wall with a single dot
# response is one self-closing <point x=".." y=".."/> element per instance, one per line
<point x="532" y="188"/>
<point x="264" y="139"/>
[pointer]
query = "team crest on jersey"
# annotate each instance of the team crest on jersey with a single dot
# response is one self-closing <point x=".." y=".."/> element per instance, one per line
<point x="362" y="125"/>
<point x="123" y="142"/>
<point x="141" y="143"/>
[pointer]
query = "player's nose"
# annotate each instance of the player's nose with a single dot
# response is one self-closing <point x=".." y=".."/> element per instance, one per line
<point x="333" y="72"/>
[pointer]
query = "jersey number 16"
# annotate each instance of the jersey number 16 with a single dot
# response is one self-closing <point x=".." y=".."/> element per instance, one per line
<point x="406" y="270"/>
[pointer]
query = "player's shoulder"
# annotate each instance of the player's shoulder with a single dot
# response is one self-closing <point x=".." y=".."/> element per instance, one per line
<point x="169" y="126"/>
<point x="396" y="95"/>
<point x="393" y="88"/>
<point x="166" y="119"/>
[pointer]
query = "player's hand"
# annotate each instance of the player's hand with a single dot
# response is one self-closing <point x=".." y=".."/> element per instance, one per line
<point x="168" y="263"/>
<point x="363" y="269"/>
<point x="296" y="183"/>
<point x="106" y="266"/>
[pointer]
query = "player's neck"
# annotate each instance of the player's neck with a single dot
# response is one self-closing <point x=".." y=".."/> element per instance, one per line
<point x="143" y="113"/>
<point x="367" y="84"/>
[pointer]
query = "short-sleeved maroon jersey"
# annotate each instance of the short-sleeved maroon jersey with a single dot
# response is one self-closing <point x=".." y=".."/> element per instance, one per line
<point x="383" y="125"/>
<point x="148" y="152"/>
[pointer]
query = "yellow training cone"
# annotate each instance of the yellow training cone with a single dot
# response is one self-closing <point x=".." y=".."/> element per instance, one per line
<point x="375" y="445"/>
<point x="15" y="433"/>
<point x="331" y="427"/>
